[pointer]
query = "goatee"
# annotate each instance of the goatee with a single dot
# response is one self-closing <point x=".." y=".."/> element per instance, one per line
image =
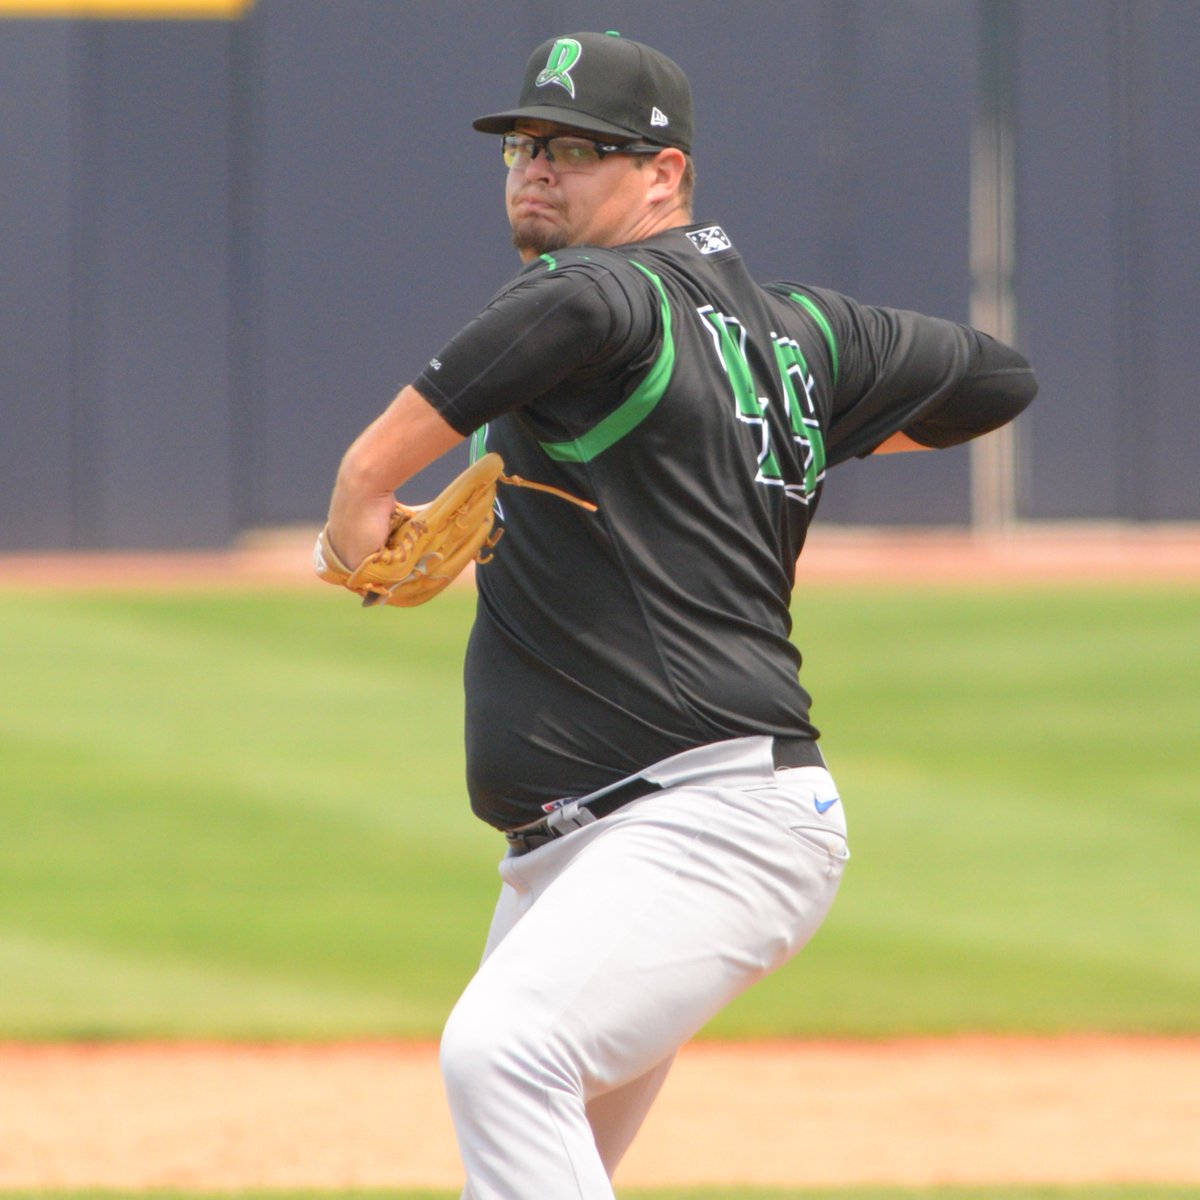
<point x="534" y="237"/>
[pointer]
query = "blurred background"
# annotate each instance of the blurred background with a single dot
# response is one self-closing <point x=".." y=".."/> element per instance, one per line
<point x="232" y="231"/>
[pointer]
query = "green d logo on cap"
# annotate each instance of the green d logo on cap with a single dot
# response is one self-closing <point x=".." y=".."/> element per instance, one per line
<point x="564" y="54"/>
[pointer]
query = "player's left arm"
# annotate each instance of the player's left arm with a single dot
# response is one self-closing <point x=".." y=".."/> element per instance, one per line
<point x="547" y="323"/>
<point x="406" y="437"/>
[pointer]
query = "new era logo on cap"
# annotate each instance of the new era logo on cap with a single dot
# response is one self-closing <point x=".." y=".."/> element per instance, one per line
<point x="658" y="117"/>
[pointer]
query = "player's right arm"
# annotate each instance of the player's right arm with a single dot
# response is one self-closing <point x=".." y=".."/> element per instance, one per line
<point x="997" y="386"/>
<point x="899" y="443"/>
<point x="907" y="381"/>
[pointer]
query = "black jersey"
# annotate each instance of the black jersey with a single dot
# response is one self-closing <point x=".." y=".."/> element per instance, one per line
<point x="699" y="411"/>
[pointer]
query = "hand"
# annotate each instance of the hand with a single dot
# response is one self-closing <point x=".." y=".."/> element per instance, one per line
<point x="426" y="547"/>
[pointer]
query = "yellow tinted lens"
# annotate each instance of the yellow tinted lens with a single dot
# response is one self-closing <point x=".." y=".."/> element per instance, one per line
<point x="573" y="152"/>
<point x="517" y="151"/>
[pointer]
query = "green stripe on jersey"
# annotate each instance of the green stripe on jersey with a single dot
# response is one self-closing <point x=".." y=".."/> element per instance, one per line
<point x="633" y="411"/>
<point x="823" y="321"/>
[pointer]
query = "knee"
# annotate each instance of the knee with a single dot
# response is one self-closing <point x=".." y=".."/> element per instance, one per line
<point x="478" y="1058"/>
<point x="467" y="1055"/>
<point x="486" y="1061"/>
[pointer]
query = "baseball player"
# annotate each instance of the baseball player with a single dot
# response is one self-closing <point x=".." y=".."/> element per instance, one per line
<point x="635" y="727"/>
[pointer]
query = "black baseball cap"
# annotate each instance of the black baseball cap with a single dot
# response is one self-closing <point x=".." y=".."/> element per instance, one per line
<point x="603" y="83"/>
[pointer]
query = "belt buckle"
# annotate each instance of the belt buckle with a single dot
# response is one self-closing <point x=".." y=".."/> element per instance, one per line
<point x="519" y="840"/>
<point x="568" y="816"/>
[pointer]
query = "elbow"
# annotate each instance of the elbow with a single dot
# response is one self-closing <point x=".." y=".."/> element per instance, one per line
<point x="988" y="406"/>
<point x="1013" y="392"/>
<point x="1017" y="384"/>
<point x="1005" y="377"/>
<point x="1028" y="391"/>
<point x="1001" y="388"/>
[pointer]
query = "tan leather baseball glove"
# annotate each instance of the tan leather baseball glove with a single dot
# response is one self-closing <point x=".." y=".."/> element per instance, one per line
<point x="429" y="545"/>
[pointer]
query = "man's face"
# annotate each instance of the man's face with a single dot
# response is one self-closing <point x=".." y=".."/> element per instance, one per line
<point x="549" y="209"/>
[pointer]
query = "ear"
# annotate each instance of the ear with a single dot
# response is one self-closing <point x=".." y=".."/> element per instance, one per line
<point x="668" y="167"/>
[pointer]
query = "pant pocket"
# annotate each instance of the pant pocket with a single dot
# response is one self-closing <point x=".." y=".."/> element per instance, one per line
<point x="828" y="844"/>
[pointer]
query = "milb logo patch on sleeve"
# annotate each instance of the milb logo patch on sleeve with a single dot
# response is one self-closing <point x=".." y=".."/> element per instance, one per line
<point x="710" y="240"/>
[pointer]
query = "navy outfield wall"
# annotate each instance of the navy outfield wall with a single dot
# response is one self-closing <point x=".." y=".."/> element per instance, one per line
<point x="37" y="276"/>
<point x="116" y="295"/>
<point x="1109" y="255"/>
<point x="228" y="242"/>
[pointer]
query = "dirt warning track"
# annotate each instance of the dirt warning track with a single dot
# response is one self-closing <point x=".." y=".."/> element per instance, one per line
<point x="1084" y="553"/>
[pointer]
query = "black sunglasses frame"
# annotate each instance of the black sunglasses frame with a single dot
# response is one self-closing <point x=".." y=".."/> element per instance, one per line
<point x="602" y="148"/>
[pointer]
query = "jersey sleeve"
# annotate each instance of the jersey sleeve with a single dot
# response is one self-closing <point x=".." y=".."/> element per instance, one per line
<point x="999" y="388"/>
<point x="896" y="370"/>
<point x="554" y="320"/>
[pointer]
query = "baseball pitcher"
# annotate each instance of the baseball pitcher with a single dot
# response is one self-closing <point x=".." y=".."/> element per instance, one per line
<point x="636" y="730"/>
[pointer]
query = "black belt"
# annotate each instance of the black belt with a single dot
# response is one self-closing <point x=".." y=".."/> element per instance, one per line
<point x="785" y="752"/>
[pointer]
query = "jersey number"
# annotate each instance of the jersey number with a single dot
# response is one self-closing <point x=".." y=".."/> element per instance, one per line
<point x="729" y="339"/>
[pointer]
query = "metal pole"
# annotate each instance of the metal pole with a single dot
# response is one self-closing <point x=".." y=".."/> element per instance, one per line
<point x="992" y="254"/>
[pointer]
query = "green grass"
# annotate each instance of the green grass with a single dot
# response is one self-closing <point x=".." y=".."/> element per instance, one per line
<point x="1020" y="772"/>
<point x="242" y="816"/>
<point x="234" y="815"/>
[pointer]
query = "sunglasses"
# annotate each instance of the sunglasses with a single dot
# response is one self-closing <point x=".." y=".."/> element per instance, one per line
<point x="565" y="153"/>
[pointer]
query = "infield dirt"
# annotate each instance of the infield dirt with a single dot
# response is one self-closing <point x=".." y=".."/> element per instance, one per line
<point x="965" y="1110"/>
